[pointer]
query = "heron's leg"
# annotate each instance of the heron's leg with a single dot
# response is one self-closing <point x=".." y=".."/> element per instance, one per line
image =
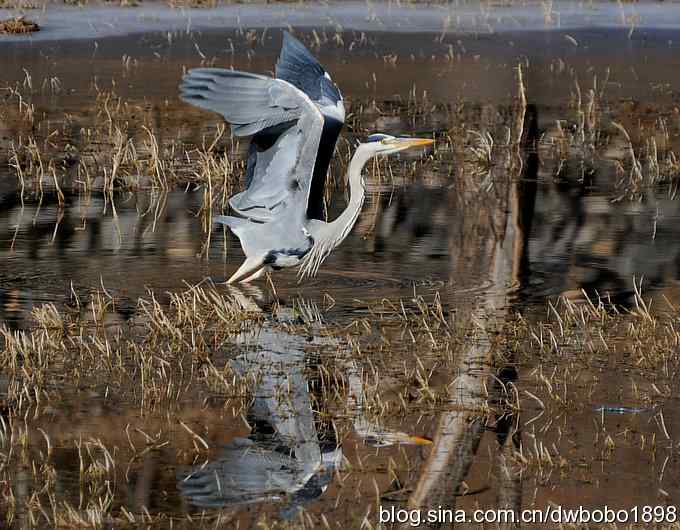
<point x="249" y="267"/>
<point x="258" y="274"/>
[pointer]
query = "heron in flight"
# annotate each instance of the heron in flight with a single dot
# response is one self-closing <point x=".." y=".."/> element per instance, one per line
<point x="295" y="120"/>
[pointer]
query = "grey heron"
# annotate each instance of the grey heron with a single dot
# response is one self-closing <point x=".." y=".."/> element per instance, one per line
<point x="294" y="120"/>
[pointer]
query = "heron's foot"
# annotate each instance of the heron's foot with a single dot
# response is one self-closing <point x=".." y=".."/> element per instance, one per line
<point x="258" y="274"/>
<point x="248" y="268"/>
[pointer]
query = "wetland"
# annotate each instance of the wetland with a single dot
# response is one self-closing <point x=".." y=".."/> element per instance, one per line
<point x="500" y="329"/>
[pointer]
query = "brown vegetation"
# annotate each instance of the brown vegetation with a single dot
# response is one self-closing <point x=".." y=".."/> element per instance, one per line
<point x="18" y="25"/>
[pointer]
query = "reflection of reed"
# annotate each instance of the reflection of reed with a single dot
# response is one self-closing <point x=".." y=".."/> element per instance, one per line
<point x="458" y="432"/>
<point x="505" y="467"/>
<point x="47" y="248"/>
<point x="490" y="234"/>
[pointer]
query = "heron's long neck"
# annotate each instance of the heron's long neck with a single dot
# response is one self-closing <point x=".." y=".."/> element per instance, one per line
<point x="342" y="225"/>
<point x="327" y="236"/>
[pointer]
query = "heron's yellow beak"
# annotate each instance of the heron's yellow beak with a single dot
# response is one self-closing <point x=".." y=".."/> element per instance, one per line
<point x="407" y="143"/>
<point x="414" y="142"/>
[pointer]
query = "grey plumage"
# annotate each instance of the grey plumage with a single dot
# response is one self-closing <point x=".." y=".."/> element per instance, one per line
<point x="299" y="67"/>
<point x="287" y="162"/>
<point x="250" y="102"/>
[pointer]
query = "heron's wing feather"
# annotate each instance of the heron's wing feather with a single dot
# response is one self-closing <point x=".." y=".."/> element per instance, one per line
<point x="284" y="116"/>
<point x="249" y="102"/>
<point x="272" y="183"/>
<point x="298" y="67"/>
<point x="301" y="69"/>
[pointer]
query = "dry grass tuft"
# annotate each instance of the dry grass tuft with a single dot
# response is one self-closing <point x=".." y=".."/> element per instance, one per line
<point x="18" y="25"/>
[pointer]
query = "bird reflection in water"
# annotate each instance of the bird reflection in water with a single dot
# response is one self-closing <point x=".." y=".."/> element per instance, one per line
<point x="290" y="454"/>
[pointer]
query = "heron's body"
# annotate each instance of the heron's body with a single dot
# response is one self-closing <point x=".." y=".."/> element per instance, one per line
<point x="304" y="237"/>
<point x="294" y="121"/>
<point x="265" y="250"/>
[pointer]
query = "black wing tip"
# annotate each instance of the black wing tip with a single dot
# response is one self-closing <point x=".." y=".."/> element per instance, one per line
<point x="293" y="50"/>
<point x="291" y="40"/>
<point x="292" y="43"/>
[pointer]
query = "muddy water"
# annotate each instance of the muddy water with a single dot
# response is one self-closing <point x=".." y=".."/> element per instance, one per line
<point x="580" y="237"/>
<point x="487" y="246"/>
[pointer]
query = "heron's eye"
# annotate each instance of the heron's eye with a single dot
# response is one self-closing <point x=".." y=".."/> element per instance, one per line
<point x="384" y="141"/>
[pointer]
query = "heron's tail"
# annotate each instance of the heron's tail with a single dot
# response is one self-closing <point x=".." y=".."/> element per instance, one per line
<point x="251" y="268"/>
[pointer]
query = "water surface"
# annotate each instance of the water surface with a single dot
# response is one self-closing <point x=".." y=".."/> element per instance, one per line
<point x="555" y="217"/>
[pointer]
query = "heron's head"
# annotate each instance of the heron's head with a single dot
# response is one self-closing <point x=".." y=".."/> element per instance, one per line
<point x="384" y="144"/>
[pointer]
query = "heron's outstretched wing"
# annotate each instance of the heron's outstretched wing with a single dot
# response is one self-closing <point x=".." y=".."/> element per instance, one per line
<point x="254" y="103"/>
<point x="299" y="67"/>
<point x="250" y="102"/>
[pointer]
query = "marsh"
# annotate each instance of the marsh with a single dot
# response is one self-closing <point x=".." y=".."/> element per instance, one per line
<point x="499" y="330"/>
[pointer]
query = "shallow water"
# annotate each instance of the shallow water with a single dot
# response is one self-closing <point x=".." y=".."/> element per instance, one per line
<point x="488" y="244"/>
<point x="581" y="235"/>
